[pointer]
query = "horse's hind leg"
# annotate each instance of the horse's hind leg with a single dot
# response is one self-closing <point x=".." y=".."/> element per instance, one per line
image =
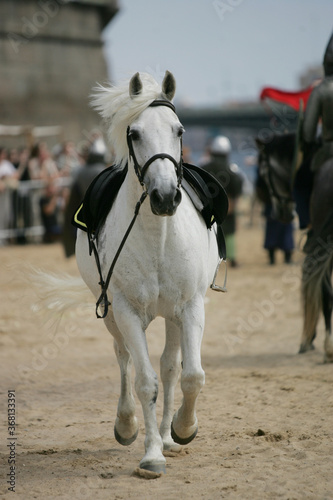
<point x="126" y="425"/>
<point x="327" y="310"/>
<point x="184" y="424"/>
<point x="170" y="369"/>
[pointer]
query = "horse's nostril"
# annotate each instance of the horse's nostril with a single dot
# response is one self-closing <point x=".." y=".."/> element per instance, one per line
<point x="165" y="203"/>
<point x="156" y="197"/>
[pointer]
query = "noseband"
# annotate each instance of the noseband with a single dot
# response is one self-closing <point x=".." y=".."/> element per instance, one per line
<point x="141" y="171"/>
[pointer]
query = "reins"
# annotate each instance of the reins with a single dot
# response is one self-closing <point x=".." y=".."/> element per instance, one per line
<point x="140" y="172"/>
<point x="103" y="298"/>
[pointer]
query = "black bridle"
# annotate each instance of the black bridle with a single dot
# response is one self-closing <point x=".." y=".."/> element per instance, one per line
<point x="141" y="171"/>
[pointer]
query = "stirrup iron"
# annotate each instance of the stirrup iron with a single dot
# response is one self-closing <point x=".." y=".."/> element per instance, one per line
<point x="218" y="288"/>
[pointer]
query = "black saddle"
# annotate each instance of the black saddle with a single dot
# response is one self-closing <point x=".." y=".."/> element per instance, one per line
<point x="100" y="195"/>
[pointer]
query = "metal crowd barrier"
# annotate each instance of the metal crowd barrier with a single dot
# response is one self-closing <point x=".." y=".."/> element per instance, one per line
<point x="20" y="210"/>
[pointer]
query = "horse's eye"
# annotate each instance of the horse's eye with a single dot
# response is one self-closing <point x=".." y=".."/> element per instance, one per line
<point x="180" y="132"/>
<point x="134" y="135"/>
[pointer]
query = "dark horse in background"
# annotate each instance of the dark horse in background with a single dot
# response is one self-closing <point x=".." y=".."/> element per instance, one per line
<point x="275" y="163"/>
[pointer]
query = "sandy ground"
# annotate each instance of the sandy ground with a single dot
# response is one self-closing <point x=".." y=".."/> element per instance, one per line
<point x="265" y="413"/>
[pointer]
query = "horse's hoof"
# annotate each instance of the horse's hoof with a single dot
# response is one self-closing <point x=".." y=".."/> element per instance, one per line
<point x="305" y="348"/>
<point x="180" y="440"/>
<point x="328" y="346"/>
<point x="171" y="446"/>
<point x="158" y="468"/>
<point x="125" y="441"/>
<point x="328" y="358"/>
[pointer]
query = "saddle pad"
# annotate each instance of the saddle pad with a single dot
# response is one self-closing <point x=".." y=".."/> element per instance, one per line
<point x="100" y="195"/>
<point x="98" y="200"/>
<point x="210" y="192"/>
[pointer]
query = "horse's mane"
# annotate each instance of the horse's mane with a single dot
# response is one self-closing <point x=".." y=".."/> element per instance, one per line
<point x="119" y="110"/>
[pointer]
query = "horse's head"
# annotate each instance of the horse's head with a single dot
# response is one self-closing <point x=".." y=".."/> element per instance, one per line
<point x="275" y="169"/>
<point x="155" y="147"/>
<point x="144" y="130"/>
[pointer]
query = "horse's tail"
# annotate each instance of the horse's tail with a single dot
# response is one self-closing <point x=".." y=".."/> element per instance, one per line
<point x="316" y="278"/>
<point x="58" y="293"/>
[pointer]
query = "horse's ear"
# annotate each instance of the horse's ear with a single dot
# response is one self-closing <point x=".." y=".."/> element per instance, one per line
<point x="169" y="85"/>
<point x="135" y="85"/>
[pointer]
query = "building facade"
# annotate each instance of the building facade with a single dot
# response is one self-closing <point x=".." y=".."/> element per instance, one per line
<point x="51" y="56"/>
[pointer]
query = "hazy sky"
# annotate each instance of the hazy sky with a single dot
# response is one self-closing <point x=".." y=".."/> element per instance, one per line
<point x="219" y="50"/>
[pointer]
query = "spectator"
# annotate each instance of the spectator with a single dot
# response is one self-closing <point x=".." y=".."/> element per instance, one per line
<point x="51" y="204"/>
<point x="41" y="164"/>
<point x="229" y="176"/>
<point x="22" y="204"/>
<point x="34" y="163"/>
<point x="81" y="180"/>
<point x="278" y="236"/>
<point x="8" y="182"/>
<point x="49" y="169"/>
<point x="14" y="157"/>
<point x="7" y="169"/>
<point x="68" y="159"/>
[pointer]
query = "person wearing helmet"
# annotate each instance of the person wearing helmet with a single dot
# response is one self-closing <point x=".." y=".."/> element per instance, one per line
<point x="229" y="176"/>
<point x="319" y="107"/>
<point x="317" y="147"/>
<point x="82" y="178"/>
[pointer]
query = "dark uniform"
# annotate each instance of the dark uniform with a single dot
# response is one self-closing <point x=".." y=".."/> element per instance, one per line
<point x="319" y="106"/>
<point x="232" y="181"/>
<point x="82" y="180"/>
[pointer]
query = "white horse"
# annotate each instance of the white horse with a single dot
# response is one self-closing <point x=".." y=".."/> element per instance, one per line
<point x="164" y="268"/>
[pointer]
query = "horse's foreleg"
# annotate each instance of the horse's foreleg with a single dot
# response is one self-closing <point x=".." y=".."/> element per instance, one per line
<point x="126" y="425"/>
<point x="311" y="298"/>
<point x="170" y="368"/>
<point x="146" y="382"/>
<point x="184" y="424"/>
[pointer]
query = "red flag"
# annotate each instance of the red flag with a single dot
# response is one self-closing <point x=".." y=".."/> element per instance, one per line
<point x="292" y="99"/>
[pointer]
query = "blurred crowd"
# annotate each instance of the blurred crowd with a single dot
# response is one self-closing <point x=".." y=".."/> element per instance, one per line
<point x="40" y="190"/>
<point x="35" y="186"/>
